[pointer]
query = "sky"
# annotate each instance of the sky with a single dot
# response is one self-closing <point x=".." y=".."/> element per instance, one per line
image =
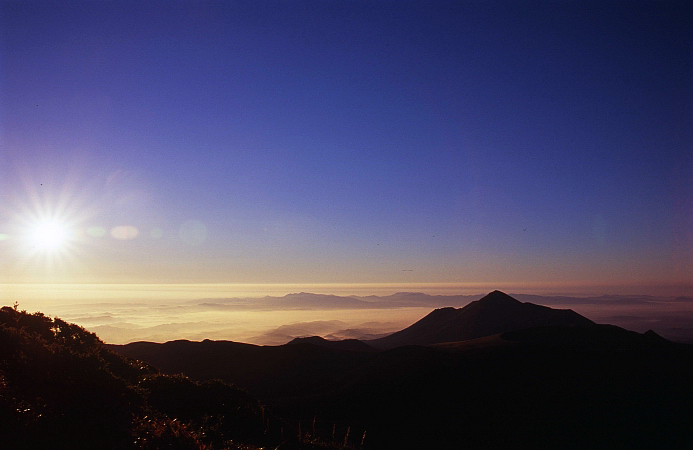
<point x="377" y="142"/>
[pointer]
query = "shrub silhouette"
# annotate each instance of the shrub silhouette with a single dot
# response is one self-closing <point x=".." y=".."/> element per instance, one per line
<point x="210" y="406"/>
<point x="61" y="388"/>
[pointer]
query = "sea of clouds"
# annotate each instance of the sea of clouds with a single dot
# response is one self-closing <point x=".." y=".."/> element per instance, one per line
<point x="270" y="316"/>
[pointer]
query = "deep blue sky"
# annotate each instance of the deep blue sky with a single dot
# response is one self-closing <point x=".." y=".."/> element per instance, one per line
<point x="336" y="141"/>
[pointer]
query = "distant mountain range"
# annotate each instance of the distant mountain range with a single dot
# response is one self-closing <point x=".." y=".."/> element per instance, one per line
<point x="307" y="300"/>
<point x="495" y="373"/>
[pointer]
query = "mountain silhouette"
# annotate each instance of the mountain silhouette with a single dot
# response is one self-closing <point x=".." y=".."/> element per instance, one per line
<point x="498" y="373"/>
<point x="520" y="389"/>
<point x="495" y="313"/>
<point x="269" y="371"/>
<point x="345" y="344"/>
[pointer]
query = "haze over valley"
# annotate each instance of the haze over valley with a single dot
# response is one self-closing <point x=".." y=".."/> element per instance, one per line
<point x="122" y="314"/>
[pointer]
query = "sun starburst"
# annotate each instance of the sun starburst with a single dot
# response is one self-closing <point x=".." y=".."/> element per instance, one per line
<point x="44" y="229"/>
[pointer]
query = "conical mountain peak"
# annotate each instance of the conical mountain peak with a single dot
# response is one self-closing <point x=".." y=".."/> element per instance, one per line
<point x="495" y="313"/>
<point x="498" y="298"/>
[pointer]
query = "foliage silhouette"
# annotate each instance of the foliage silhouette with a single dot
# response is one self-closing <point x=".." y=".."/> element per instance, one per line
<point x="60" y="387"/>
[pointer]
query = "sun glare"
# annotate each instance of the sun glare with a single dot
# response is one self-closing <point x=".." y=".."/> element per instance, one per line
<point x="49" y="236"/>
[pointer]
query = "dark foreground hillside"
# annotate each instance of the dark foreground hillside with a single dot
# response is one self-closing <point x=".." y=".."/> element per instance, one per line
<point x="544" y="387"/>
<point x="60" y="388"/>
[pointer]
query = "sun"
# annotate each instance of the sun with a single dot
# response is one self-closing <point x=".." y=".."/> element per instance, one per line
<point x="43" y="229"/>
<point x="49" y="236"/>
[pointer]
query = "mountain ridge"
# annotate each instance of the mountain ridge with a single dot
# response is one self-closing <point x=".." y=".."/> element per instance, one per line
<point x="342" y="344"/>
<point x="494" y="313"/>
<point x="626" y="389"/>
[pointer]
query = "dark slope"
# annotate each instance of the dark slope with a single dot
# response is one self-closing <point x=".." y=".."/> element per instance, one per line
<point x="60" y="388"/>
<point x="546" y="387"/>
<point x="495" y="313"/>
<point x="597" y="386"/>
<point x="266" y="371"/>
<point x="345" y="344"/>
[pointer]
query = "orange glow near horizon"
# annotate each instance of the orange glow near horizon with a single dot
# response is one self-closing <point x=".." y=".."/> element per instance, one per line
<point x="121" y="313"/>
<point x="10" y="292"/>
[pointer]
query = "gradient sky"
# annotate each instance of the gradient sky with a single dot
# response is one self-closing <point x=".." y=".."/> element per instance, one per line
<point x="348" y="141"/>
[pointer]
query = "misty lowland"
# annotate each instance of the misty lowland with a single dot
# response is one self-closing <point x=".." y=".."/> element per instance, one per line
<point x="496" y="373"/>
